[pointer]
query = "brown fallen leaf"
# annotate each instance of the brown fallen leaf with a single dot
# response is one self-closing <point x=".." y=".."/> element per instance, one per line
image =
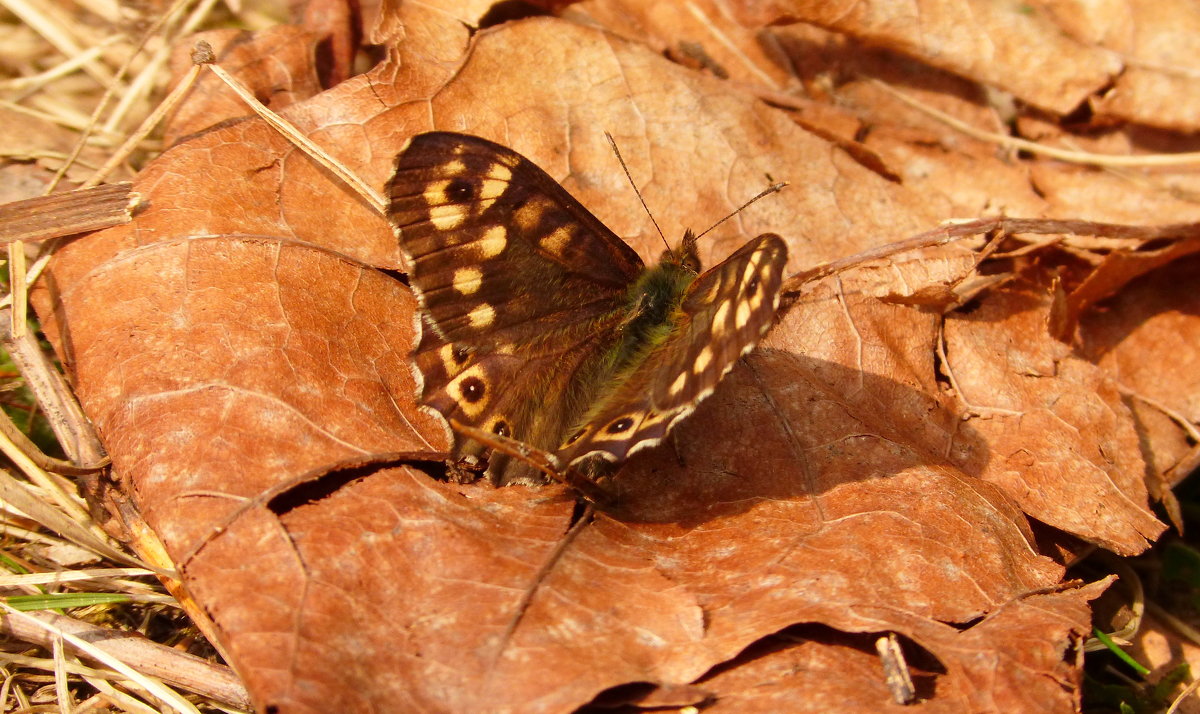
<point x="1015" y="48"/>
<point x="873" y="467"/>
<point x="1157" y="43"/>
<point x="838" y="672"/>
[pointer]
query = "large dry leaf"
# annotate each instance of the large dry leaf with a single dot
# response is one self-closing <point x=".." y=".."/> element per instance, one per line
<point x="871" y="468"/>
<point x="1005" y="45"/>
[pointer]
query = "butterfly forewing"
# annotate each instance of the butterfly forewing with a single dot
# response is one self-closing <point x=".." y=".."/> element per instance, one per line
<point x="500" y="253"/>
<point x="723" y="315"/>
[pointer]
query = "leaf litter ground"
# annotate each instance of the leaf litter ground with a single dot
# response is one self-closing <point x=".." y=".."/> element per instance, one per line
<point x="241" y="334"/>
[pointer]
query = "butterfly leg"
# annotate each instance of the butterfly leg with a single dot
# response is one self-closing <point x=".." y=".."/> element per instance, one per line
<point x="541" y="460"/>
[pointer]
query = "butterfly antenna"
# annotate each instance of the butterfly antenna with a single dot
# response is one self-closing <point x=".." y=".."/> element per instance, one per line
<point x="765" y="192"/>
<point x="612" y="142"/>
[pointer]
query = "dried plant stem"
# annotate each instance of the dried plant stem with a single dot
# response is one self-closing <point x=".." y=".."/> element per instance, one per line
<point x="10" y="431"/>
<point x="1187" y="692"/>
<point x="54" y="627"/>
<point x="1074" y="157"/>
<point x="19" y="289"/>
<point x="147" y="126"/>
<point x="152" y="31"/>
<point x="64" y="122"/>
<point x="302" y="142"/>
<point x="952" y="230"/>
<point x="54" y="396"/>
<point x="67" y="213"/>
<point x="1180" y="419"/>
<point x="168" y="664"/>
<point x="33" y="15"/>
<point x="42" y="479"/>
<point x="20" y="496"/>
<point x="62" y="691"/>
<point x="122" y="699"/>
<point x="146" y="80"/>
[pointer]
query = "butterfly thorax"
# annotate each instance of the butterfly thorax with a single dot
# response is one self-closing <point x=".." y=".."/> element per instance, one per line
<point x="652" y="313"/>
<point x="651" y="304"/>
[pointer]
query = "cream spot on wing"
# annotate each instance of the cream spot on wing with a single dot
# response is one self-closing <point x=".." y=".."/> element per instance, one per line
<point x="743" y="314"/>
<point x="490" y="189"/>
<point x="748" y="274"/>
<point x="756" y="300"/>
<point x="718" y="323"/>
<point x="447" y="216"/>
<point x="446" y="353"/>
<point x="435" y="193"/>
<point x="468" y="280"/>
<point x="493" y="242"/>
<point x="530" y="214"/>
<point x="678" y="385"/>
<point x="500" y="172"/>
<point x="703" y="360"/>
<point x="454" y="168"/>
<point x="556" y="241"/>
<point x="482" y="316"/>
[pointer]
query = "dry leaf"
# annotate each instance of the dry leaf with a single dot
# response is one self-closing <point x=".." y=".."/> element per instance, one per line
<point x="872" y="468"/>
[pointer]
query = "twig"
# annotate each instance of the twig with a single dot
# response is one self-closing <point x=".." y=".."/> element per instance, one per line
<point x="1074" y="157"/>
<point x="67" y="213"/>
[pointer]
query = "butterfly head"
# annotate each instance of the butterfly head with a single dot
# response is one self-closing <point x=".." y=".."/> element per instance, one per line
<point x="685" y="256"/>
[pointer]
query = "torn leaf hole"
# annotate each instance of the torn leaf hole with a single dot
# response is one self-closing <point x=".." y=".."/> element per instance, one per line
<point x="923" y="666"/>
<point x="1157" y="244"/>
<point x="508" y="11"/>
<point x="396" y="275"/>
<point x="640" y="696"/>
<point x="969" y="306"/>
<point x="579" y="512"/>
<point x="318" y="486"/>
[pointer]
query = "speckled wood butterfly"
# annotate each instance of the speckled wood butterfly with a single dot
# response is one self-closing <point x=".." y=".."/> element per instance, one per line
<point x="539" y="324"/>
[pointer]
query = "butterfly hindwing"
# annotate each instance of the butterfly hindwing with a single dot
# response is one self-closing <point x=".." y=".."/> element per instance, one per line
<point x="723" y="315"/>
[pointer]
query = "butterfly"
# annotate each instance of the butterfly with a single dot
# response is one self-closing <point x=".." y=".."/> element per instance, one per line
<point x="538" y="324"/>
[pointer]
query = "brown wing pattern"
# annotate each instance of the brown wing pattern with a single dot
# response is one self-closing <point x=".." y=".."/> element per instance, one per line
<point x="501" y="255"/>
<point x="724" y="314"/>
<point x="521" y="287"/>
<point x="526" y="309"/>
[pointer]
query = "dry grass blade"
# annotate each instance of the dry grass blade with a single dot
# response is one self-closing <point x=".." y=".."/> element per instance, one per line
<point x="54" y="90"/>
<point x="1075" y="157"/>
<point x="18" y="496"/>
<point x="164" y="694"/>
<point x="176" y="668"/>
<point x="72" y="429"/>
<point x="301" y="141"/>
<point x="65" y="701"/>
<point x="19" y="288"/>
<point x="31" y="451"/>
